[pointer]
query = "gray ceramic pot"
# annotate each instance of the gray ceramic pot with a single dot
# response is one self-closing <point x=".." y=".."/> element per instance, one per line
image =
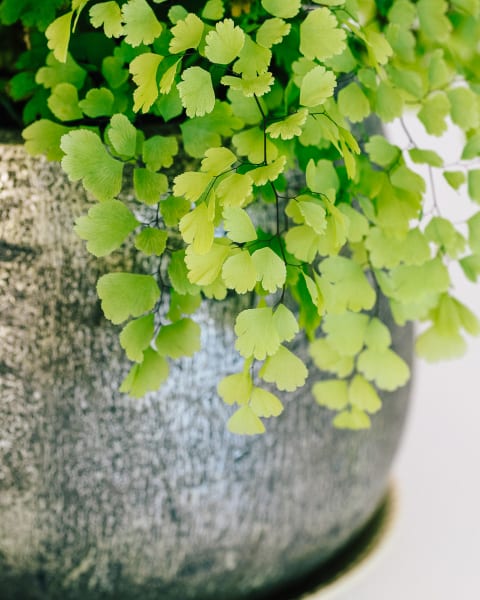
<point x="102" y="496"/>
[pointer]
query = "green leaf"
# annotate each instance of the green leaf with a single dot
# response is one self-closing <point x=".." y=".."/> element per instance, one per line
<point x="433" y="113"/>
<point x="213" y="10"/>
<point x="332" y="393"/>
<point x="122" y="135"/>
<point x="204" y="269"/>
<point x="353" y="103"/>
<point x="428" y="157"/>
<point x="434" y="23"/>
<point x="250" y="86"/>
<point x="285" y="370"/>
<point x="196" y="92"/>
<point x="472" y="147"/>
<point x="179" y="339"/>
<point x="270" y="269"/>
<point x="113" y="71"/>
<point x="140" y="23"/>
<point x="151" y="241"/>
<point x="58" y="36"/>
<point x="317" y="86"/>
<point x="279" y="8"/>
<point x="149" y="186"/>
<point x="313" y="213"/>
<point x="378" y="47"/>
<point x="384" y="367"/>
<point x="377" y="335"/>
<point x="136" y="336"/>
<point x="388" y="102"/>
<point x="86" y="158"/>
<point x="187" y="33"/>
<point x="192" y="184"/>
<point x="354" y="419"/>
<point x="178" y="274"/>
<point x="253" y="59"/>
<point x="235" y="190"/>
<point x="443" y="233"/>
<point x="217" y="161"/>
<point x="464" y="107"/>
<point x="235" y="389"/>
<point x="363" y="396"/>
<point x="471" y="266"/>
<point x="108" y="15"/>
<point x="239" y="272"/>
<point x="60" y="72"/>
<point x="245" y="422"/>
<point x="99" y="102"/>
<point x="271" y="172"/>
<point x="224" y="43"/>
<point x="285" y="323"/>
<point x="455" y="179"/>
<point x="182" y="304"/>
<point x="256" y="332"/>
<point x="346" y="332"/>
<point x="144" y="73"/>
<point x="250" y="143"/>
<point x="387" y="251"/>
<point x="197" y="229"/>
<point x="322" y="176"/>
<point x="127" y="294"/>
<point x="411" y="282"/>
<point x="302" y="242"/>
<point x="351" y="288"/>
<point x="473" y="183"/>
<point x="43" y="137"/>
<point x="272" y="31"/>
<point x="201" y="133"/>
<point x="434" y="345"/>
<point x="173" y="209"/>
<point x="474" y="232"/>
<point x="63" y="102"/>
<point x="265" y="404"/>
<point x="290" y="127"/>
<point x="328" y="359"/>
<point x="106" y="227"/>
<point x="238" y="225"/>
<point x="158" y="151"/>
<point x="320" y="36"/>
<point x="147" y="376"/>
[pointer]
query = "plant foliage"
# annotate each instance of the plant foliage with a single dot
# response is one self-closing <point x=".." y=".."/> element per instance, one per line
<point x="258" y="93"/>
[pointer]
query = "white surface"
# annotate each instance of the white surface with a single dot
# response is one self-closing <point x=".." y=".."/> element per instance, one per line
<point x="434" y="552"/>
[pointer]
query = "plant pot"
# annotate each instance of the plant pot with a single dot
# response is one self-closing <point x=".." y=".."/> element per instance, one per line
<point x="105" y="496"/>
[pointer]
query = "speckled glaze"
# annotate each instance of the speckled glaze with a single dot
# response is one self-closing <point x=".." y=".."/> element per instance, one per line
<point x="106" y="497"/>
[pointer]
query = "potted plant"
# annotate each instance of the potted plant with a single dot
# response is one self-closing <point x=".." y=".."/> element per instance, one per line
<point x="225" y="159"/>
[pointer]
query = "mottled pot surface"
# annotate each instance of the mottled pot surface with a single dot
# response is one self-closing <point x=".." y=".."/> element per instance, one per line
<point x="103" y="496"/>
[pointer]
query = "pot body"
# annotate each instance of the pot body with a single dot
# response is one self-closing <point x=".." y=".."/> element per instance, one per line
<point x="104" y="496"/>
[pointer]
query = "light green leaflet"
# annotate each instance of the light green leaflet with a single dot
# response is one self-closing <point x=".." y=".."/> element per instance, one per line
<point x="224" y="43"/>
<point x="196" y="92"/>
<point x="127" y="294"/>
<point x="108" y="15"/>
<point x="86" y="158"/>
<point x="140" y="23"/>
<point x="144" y="73"/>
<point x="106" y="227"/>
<point x="136" y="336"/>
<point x="146" y="376"/>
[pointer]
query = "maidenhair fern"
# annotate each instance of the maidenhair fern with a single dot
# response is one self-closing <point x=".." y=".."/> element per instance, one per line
<point x="262" y="96"/>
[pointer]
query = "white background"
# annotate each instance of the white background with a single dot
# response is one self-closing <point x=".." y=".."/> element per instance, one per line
<point x="433" y="550"/>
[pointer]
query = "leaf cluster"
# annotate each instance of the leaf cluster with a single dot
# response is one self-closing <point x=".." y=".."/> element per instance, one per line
<point x="269" y="100"/>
